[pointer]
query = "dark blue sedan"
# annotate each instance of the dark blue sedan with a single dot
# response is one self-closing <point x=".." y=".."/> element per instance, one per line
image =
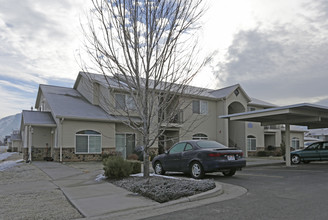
<point x="197" y="157"/>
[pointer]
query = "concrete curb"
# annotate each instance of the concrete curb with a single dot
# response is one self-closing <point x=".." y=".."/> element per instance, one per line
<point x="205" y="195"/>
<point x="134" y="212"/>
<point x="265" y="164"/>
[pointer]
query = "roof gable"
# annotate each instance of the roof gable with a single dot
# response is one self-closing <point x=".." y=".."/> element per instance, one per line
<point x="69" y="103"/>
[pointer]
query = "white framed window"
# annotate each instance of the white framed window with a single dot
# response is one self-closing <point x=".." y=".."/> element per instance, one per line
<point x="200" y="107"/>
<point x="251" y="143"/>
<point x="200" y="136"/>
<point x="87" y="142"/>
<point x="295" y="143"/>
<point x="125" y="102"/>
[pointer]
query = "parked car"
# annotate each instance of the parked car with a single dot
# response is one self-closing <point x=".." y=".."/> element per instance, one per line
<point x="315" y="152"/>
<point x="197" y="157"/>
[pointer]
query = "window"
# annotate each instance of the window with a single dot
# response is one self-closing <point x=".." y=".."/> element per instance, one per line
<point x="188" y="147"/>
<point x="295" y="143"/>
<point x="88" y="141"/>
<point x="325" y="146"/>
<point x="125" y="102"/>
<point x="251" y="108"/>
<point x="199" y="137"/>
<point x="178" y="148"/>
<point x="251" y="143"/>
<point x="200" y="107"/>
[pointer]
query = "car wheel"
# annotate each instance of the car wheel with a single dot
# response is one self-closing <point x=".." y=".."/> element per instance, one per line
<point x="296" y="159"/>
<point x="229" y="173"/>
<point x="196" y="170"/>
<point x="159" y="168"/>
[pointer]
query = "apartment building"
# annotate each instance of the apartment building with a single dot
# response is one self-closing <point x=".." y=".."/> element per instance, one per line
<point x="78" y="124"/>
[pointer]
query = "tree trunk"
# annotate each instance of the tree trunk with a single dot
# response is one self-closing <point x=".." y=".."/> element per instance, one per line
<point x="146" y="163"/>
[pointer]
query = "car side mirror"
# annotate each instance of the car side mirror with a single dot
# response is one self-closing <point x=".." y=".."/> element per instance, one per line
<point x="166" y="152"/>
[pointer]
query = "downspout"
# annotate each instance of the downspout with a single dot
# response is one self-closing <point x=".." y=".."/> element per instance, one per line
<point x="30" y="143"/>
<point x="61" y="140"/>
<point x="26" y="143"/>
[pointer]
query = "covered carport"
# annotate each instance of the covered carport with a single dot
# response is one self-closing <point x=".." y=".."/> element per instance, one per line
<point x="310" y="115"/>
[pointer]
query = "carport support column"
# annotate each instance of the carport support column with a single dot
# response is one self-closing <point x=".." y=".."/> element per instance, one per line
<point x="287" y="143"/>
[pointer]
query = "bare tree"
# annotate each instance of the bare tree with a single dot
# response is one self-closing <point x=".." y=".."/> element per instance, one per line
<point x="146" y="48"/>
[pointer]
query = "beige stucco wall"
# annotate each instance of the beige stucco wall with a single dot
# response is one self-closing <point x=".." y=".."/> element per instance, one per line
<point x="198" y="123"/>
<point x="256" y="130"/>
<point x="295" y="134"/>
<point x="85" y="89"/>
<point x="237" y="129"/>
<point x="69" y="128"/>
<point x="222" y="134"/>
<point x="41" y="136"/>
<point x="16" y="144"/>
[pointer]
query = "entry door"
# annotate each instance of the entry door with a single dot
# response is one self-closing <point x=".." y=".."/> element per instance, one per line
<point x="125" y="144"/>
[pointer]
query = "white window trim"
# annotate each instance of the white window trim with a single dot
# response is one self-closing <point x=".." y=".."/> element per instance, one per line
<point x="295" y="140"/>
<point x="249" y="148"/>
<point x="88" y="135"/>
<point x="199" y="137"/>
<point x="202" y="110"/>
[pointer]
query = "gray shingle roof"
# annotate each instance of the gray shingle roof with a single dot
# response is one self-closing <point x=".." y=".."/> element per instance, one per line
<point x="69" y="103"/>
<point x="261" y="103"/>
<point x="38" y="118"/>
<point x="112" y="82"/>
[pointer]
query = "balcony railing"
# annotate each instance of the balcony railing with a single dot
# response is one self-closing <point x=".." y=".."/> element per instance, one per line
<point x="272" y="127"/>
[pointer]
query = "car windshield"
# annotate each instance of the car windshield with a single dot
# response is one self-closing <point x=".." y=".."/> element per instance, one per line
<point x="210" y="144"/>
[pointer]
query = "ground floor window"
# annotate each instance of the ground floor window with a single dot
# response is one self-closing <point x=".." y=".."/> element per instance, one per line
<point x="251" y="143"/>
<point x="88" y="141"/>
<point x="295" y="143"/>
<point x="125" y="144"/>
<point x="200" y="137"/>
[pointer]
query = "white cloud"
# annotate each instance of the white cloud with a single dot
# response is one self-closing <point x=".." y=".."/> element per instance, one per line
<point x="281" y="62"/>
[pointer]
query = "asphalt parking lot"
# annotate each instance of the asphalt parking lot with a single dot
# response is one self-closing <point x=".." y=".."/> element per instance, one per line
<point x="273" y="192"/>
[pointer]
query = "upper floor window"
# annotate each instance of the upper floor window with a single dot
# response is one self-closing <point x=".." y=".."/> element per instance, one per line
<point x="199" y="137"/>
<point x="200" y="107"/>
<point x="251" y="108"/>
<point x="295" y="143"/>
<point x="124" y="101"/>
<point x="88" y="141"/>
<point x="251" y="143"/>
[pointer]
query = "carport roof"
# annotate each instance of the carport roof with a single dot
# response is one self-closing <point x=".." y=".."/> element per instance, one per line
<point x="305" y="114"/>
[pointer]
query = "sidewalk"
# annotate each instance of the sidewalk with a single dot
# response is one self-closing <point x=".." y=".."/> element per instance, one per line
<point x="264" y="161"/>
<point x="101" y="199"/>
<point x="90" y="197"/>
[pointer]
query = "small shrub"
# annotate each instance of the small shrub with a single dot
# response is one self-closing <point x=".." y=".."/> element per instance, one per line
<point x="111" y="154"/>
<point x="133" y="157"/>
<point x="271" y="148"/>
<point x="116" y="167"/>
<point x="152" y="155"/>
<point x="135" y="165"/>
<point x="262" y="154"/>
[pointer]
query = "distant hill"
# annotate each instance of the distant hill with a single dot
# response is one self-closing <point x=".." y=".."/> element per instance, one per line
<point x="8" y="124"/>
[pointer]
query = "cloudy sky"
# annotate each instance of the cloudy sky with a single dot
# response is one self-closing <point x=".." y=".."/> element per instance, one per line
<point x="276" y="50"/>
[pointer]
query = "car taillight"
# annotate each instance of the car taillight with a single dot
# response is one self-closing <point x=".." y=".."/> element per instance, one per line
<point x="215" y="154"/>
